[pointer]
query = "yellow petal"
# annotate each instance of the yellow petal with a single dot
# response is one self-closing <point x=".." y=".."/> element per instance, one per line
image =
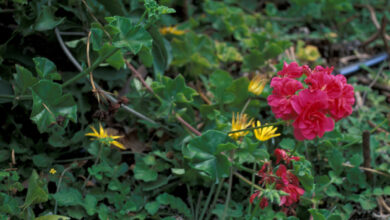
<point x="119" y="145"/>
<point x="92" y="134"/>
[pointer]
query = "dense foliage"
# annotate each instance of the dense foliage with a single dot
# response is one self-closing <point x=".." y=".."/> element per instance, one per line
<point x="193" y="109"/>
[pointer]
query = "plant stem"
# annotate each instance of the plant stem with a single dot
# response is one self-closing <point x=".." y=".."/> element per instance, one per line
<point x="262" y="126"/>
<point x="93" y="66"/>
<point x="206" y="205"/>
<point x="190" y="199"/>
<point x="253" y="183"/>
<point x="20" y="97"/>
<point x="295" y="148"/>
<point x="96" y="161"/>
<point x="228" y="194"/>
<point x="59" y="184"/>
<point x="245" y="106"/>
<point x="198" y="204"/>
<point x="247" y="181"/>
<point x="256" y="208"/>
<point x="214" y="200"/>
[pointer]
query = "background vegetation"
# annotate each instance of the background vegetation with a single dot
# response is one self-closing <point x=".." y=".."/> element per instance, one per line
<point x="161" y="73"/>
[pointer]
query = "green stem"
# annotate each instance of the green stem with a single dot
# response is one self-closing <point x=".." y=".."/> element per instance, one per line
<point x="59" y="185"/>
<point x="262" y="126"/>
<point x="190" y="199"/>
<point x="228" y="194"/>
<point x="214" y="200"/>
<point x="96" y="161"/>
<point x="248" y="170"/>
<point x="255" y="210"/>
<point x="206" y="205"/>
<point x="245" y="106"/>
<point x="91" y="68"/>
<point x="20" y="97"/>
<point x="253" y="182"/>
<point x="198" y="204"/>
<point x="295" y="148"/>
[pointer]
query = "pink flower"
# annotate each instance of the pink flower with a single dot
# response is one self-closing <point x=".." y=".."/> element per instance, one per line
<point x="286" y="176"/>
<point x="263" y="202"/>
<point x="341" y="107"/>
<point x="282" y="155"/>
<point x="311" y="107"/>
<point x="330" y="84"/>
<point x="292" y="70"/>
<point x="283" y="90"/>
<point x="294" y="192"/>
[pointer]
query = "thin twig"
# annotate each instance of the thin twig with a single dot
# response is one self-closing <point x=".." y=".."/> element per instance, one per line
<point x="139" y="76"/>
<point x="186" y="124"/>
<point x="90" y="73"/>
<point x="106" y="94"/>
<point x="59" y="185"/>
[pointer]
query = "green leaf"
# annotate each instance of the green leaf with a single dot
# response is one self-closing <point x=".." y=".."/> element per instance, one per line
<point x="287" y="143"/>
<point x="42" y="160"/>
<point x="37" y="191"/>
<point x="152" y="207"/>
<point x="143" y="172"/>
<point x="161" y="51"/>
<point x="115" y="7"/>
<point x="204" y="154"/>
<point x="316" y="214"/>
<point x="23" y="79"/>
<point x="129" y="36"/>
<point x="46" y="69"/>
<point x="227" y="53"/>
<point x="174" y="90"/>
<point x="46" y="19"/>
<point x="336" y="159"/>
<point x="116" y="60"/>
<point x="97" y="38"/>
<point x="174" y="203"/>
<point x="221" y="81"/>
<point x="52" y="217"/>
<point x="90" y="203"/>
<point x="68" y="197"/>
<point x="155" y="11"/>
<point x="5" y="89"/>
<point x="49" y="104"/>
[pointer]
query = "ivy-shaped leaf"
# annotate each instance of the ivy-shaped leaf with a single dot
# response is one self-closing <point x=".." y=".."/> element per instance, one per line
<point x="37" y="191"/>
<point x="174" y="203"/>
<point x="49" y="104"/>
<point x="128" y="35"/>
<point x="204" y="154"/>
<point x="68" y="197"/>
<point x="174" y="90"/>
<point x="23" y="79"/>
<point x="46" y="69"/>
<point x="46" y="19"/>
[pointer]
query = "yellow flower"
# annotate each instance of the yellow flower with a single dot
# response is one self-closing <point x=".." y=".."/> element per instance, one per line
<point x="239" y="123"/>
<point x="312" y="53"/>
<point x="265" y="133"/>
<point x="171" y="30"/>
<point x="105" y="138"/>
<point x="257" y="85"/>
<point x="53" y="171"/>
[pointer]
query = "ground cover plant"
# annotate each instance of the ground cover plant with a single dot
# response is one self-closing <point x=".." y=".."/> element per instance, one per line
<point x="194" y="109"/>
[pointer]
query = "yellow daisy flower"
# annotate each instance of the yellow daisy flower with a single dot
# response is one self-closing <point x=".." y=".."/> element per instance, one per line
<point x="53" y="171"/>
<point x="239" y="123"/>
<point x="171" y="30"/>
<point x="257" y="85"/>
<point x="265" y="133"/>
<point x="105" y="138"/>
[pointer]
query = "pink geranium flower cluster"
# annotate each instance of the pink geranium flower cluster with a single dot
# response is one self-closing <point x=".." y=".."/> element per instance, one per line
<point x="314" y="110"/>
<point x="284" y="180"/>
